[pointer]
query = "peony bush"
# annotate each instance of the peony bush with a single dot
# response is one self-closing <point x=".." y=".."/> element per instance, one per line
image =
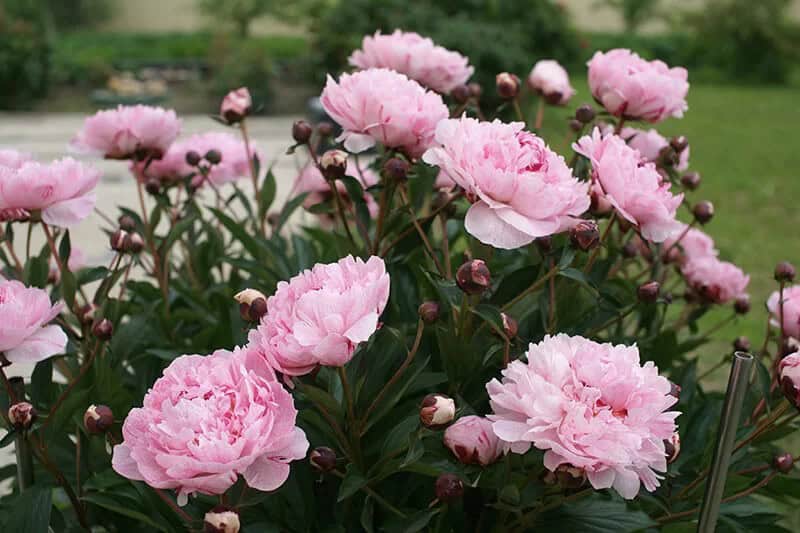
<point x="469" y="332"/>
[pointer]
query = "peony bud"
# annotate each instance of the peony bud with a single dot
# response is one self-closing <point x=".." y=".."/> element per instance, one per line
<point x="460" y="94"/>
<point x="691" y="180"/>
<point x="472" y="441"/>
<point x="742" y="304"/>
<point x="510" y="326"/>
<point x="544" y="244"/>
<point x="213" y="156"/>
<point x="333" y="164"/>
<point x="679" y="143"/>
<point x="789" y="372"/>
<point x="193" y="158"/>
<point x="648" y="292"/>
<point x="566" y="476"/>
<point x="86" y="314"/>
<point x="674" y="390"/>
<point x="301" y="132"/>
<point x="252" y="304"/>
<point x="585" y="235"/>
<point x="449" y="488"/>
<point x="322" y="458"/>
<point x="429" y="311"/>
<point x="127" y="223"/>
<point x="667" y="157"/>
<point x="325" y="129"/>
<point x="236" y="105"/>
<point x="98" y="419"/>
<point x="672" y="447"/>
<point x="785" y="272"/>
<point x="584" y="114"/>
<point x="783" y="462"/>
<point x="475" y="89"/>
<point x="152" y="186"/>
<point x="575" y="125"/>
<point x="221" y="519"/>
<point x="22" y="415"/>
<point x="473" y="277"/>
<point x="507" y="85"/>
<point x="703" y="211"/>
<point x="396" y="168"/>
<point x="742" y="344"/>
<point x="436" y="411"/>
<point x="117" y="240"/>
<point x="630" y="250"/>
<point x="134" y="243"/>
<point x="103" y="330"/>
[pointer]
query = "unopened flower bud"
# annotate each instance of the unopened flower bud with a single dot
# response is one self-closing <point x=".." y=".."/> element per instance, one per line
<point x="648" y="292"/>
<point x="396" y="168"/>
<point x="785" y="272"/>
<point x="134" y="243"/>
<point x="437" y="410"/>
<point x="221" y="519"/>
<point x="667" y="157"/>
<point x="507" y="85"/>
<point x="679" y="143"/>
<point x="429" y="311"/>
<point x="630" y="250"/>
<point x="703" y="211"/>
<point x="86" y="314"/>
<point x="273" y="219"/>
<point x="22" y="415"/>
<point x="742" y="344"/>
<point x="117" y="240"/>
<point x="103" y="329"/>
<point x="575" y="125"/>
<point x="98" y="419"/>
<point x="742" y="304"/>
<point x="252" y="304"/>
<point x="674" y="390"/>
<point x="672" y="447"/>
<point x="545" y="244"/>
<point x="193" y="158"/>
<point x="789" y="373"/>
<point x="691" y="180"/>
<point x="322" y="458"/>
<point x="325" y="129"/>
<point x="460" y="94"/>
<point x="449" y="488"/>
<point x="585" y="235"/>
<point x="127" y="223"/>
<point x="301" y="131"/>
<point x="566" y="476"/>
<point x="236" y="105"/>
<point x="510" y="326"/>
<point x="213" y="156"/>
<point x="333" y="164"/>
<point x="584" y="114"/>
<point x="789" y="346"/>
<point x="783" y="462"/>
<point x="473" y="277"/>
<point x="475" y="89"/>
<point x="152" y="186"/>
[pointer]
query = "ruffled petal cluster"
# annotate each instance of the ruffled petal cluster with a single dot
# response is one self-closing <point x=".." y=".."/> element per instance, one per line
<point x="791" y="310"/>
<point x="715" y="281"/>
<point x="25" y="312"/>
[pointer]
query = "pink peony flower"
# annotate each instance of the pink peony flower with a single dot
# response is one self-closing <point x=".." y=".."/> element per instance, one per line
<point x="472" y="441"/>
<point x="590" y="406"/>
<point x="127" y="132"/>
<point x="311" y="181"/>
<point x="694" y="243"/>
<point x="791" y="310"/>
<point x="628" y="86"/>
<point x="207" y="420"/>
<point x="384" y="106"/>
<point x="520" y="188"/>
<point x="320" y="315"/>
<point x="650" y="143"/>
<point x="635" y="189"/>
<point x="236" y="105"/>
<point x="25" y="312"/>
<point x="789" y="370"/>
<point x="13" y="158"/>
<point x="714" y="280"/>
<point x="63" y="190"/>
<point x="415" y="56"/>
<point x="549" y="79"/>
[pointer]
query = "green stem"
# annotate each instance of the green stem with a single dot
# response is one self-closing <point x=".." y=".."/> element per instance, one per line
<point x="535" y="286"/>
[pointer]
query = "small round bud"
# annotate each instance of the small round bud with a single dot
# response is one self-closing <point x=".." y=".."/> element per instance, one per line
<point x="630" y="250"/>
<point x="22" y="415"/>
<point x="679" y="143"/>
<point x="193" y="158"/>
<point x="86" y="314"/>
<point x="152" y="186"/>
<point x="301" y="131"/>
<point x="449" y="488"/>
<point x="510" y="326"/>
<point x="429" y="311"/>
<point x="221" y="519"/>
<point x="325" y="129"/>
<point x="252" y="304"/>
<point x="127" y="223"/>
<point x="575" y="125"/>
<point x="703" y="211"/>
<point x="648" y="292"/>
<point x="103" y="329"/>
<point x="507" y="85"/>
<point x="134" y="243"/>
<point x="273" y="218"/>
<point x="785" y="272"/>
<point x="333" y="164"/>
<point x="475" y="89"/>
<point x="672" y="447"/>
<point x="667" y="157"/>
<point x="436" y="411"/>
<point x="236" y="105"/>
<point x="585" y="235"/>
<point x="544" y="244"/>
<point x="117" y="240"/>
<point x="473" y="277"/>
<point x="213" y="156"/>
<point x="742" y="304"/>
<point x="691" y="180"/>
<point x="742" y="344"/>
<point x="98" y="419"/>
<point x="783" y="462"/>
<point x="322" y="458"/>
<point x="460" y="94"/>
<point x="396" y="168"/>
<point x="667" y="297"/>
<point x="674" y="390"/>
<point x="584" y="114"/>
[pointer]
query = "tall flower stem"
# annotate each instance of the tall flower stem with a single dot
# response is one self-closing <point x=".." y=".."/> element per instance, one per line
<point x="252" y="167"/>
<point x="13" y="254"/>
<point x="534" y="287"/>
<point x="340" y="210"/>
<point x="355" y="437"/>
<point x="539" y="115"/>
<point x="159" y="273"/>
<point x="420" y="231"/>
<point x="22" y="448"/>
<point x="603" y="238"/>
<point x="51" y="242"/>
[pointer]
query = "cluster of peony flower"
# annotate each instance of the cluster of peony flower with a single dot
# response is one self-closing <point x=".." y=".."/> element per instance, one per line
<point x="549" y="79"/>
<point x="311" y="181"/>
<point x="628" y="86"/>
<point x="25" y="312"/>
<point x="520" y="189"/>
<point x="791" y="310"/>
<point x="636" y="191"/>
<point x="650" y="144"/>
<point x="415" y="56"/>
<point x="588" y="405"/>
<point x="691" y="243"/>
<point x="384" y="106"/>
<point x="207" y="420"/>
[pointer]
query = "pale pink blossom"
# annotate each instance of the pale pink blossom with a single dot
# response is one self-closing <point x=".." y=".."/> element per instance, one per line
<point x="319" y="316"/>
<point x="63" y="190"/>
<point x="791" y="310"/>
<point x="381" y="105"/>
<point x="549" y="79"/>
<point x="650" y="143"/>
<point x="13" y="158"/>
<point x="520" y="189"/>
<point x="590" y="406"/>
<point x="631" y="87"/>
<point x="636" y="189"/>
<point x="415" y="56"/>
<point x="236" y="105"/>
<point x="207" y="420"/>
<point x="25" y="312"/>
<point x="691" y="243"/>
<point x="714" y="280"/>
<point x="789" y="370"/>
<point x="127" y="132"/>
<point x="472" y="441"/>
<point x="311" y="181"/>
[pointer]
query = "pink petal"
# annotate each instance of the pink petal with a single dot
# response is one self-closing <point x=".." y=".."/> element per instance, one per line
<point x="123" y="464"/>
<point x="266" y="474"/>
<point x="44" y="343"/>
<point x="69" y="212"/>
<point x="483" y="223"/>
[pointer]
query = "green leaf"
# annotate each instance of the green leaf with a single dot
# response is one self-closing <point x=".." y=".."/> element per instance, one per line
<point x="68" y="287"/>
<point x="89" y="275"/>
<point x="594" y="515"/>
<point x="267" y="194"/>
<point x="31" y="511"/>
<point x="65" y="248"/>
<point x="237" y="230"/>
<point x="288" y="209"/>
<point x="8" y="438"/>
<point x="579" y="276"/>
<point x="123" y="508"/>
<point x="491" y="315"/>
<point x="76" y="401"/>
<point x="353" y="481"/>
